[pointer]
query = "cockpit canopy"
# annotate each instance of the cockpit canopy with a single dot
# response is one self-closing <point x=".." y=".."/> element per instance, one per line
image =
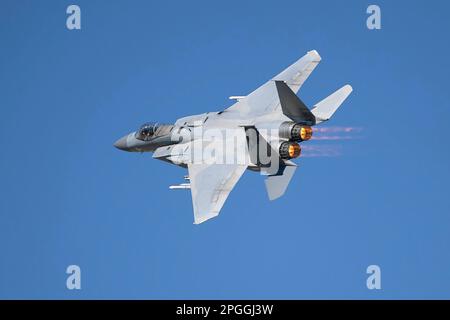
<point x="146" y="131"/>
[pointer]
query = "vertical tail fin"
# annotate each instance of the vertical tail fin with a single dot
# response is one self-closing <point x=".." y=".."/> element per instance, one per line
<point x="292" y="107"/>
<point x="325" y="109"/>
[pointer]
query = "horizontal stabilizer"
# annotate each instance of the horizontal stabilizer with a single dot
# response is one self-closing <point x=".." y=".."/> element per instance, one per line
<point x="276" y="185"/>
<point x="325" y="109"/>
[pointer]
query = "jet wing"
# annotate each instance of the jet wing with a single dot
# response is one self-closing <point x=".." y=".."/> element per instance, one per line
<point x="210" y="187"/>
<point x="213" y="178"/>
<point x="265" y="98"/>
<point x="296" y="74"/>
<point x="215" y="166"/>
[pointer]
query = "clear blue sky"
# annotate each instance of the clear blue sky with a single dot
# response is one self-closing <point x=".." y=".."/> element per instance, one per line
<point x="69" y="197"/>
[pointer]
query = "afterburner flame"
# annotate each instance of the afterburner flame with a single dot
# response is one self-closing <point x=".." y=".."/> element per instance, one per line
<point x="290" y="150"/>
<point x="294" y="151"/>
<point x="306" y="133"/>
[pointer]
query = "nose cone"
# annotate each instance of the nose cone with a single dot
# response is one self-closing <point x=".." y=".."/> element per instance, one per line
<point x="121" y="144"/>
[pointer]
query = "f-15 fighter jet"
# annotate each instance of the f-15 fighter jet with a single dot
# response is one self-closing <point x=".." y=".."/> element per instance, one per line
<point x="260" y="132"/>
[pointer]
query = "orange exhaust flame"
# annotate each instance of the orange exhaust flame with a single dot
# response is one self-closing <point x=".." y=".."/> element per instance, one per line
<point x="306" y="133"/>
<point x="294" y="150"/>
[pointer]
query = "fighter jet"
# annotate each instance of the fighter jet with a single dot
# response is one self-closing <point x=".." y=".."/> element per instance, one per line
<point x="260" y="132"/>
